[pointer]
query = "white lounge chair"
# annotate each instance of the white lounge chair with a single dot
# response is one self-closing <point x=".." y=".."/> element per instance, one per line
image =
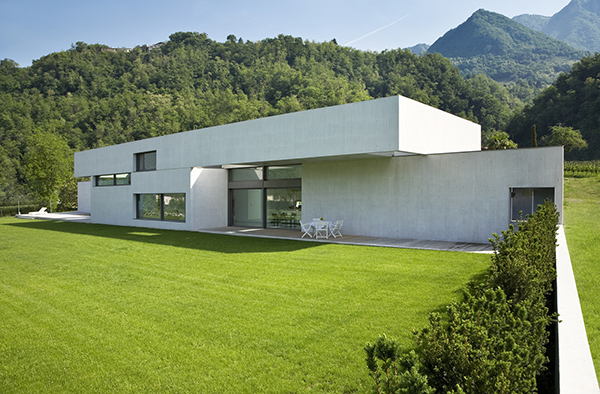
<point x="335" y="228"/>
<point x="307" y="228"/>
<point x="40" y="212"/>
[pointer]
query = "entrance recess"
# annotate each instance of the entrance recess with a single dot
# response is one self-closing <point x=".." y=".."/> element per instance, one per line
<point x="266" y="197"/>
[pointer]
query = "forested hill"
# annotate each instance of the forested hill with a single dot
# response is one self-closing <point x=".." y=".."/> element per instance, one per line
<point x="573" y="101"/>
<point x="578" y="24"/>
<point x="92" y="96"/>
<point x="505" y="50"/>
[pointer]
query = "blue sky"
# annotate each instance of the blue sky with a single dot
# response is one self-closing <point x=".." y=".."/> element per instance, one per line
<point x="30" y="29"/>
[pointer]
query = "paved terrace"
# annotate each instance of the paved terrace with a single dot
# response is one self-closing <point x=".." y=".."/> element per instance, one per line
<point x="355" y="240"/>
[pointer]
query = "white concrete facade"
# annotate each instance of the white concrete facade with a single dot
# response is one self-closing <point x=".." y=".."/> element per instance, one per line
<point x="391" y="167"/>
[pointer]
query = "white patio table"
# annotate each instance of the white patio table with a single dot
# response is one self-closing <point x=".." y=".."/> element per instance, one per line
<point x="320" y="226"/>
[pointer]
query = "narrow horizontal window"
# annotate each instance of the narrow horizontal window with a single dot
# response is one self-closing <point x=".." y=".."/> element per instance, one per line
<point x="113" y="179"/>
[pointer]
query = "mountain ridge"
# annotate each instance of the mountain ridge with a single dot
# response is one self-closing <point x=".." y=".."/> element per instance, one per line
<point x="577" y="24"/>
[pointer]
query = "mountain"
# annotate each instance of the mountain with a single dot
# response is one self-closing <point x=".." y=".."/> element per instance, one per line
<point x="535" y="22"/>
<point x="505" y="50"/>
<point x="419" y="49"/>
<point x="578" y="24"/>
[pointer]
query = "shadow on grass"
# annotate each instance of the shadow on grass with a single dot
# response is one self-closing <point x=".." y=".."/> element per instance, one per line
<point x="221" y="243"/>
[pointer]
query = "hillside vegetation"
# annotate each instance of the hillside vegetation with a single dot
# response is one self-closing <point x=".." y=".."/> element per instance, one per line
<point x="506" y="51"/>
<point x="577" y="24"/>
<point x="574" y="101"/>
<point x="93" y="96"/>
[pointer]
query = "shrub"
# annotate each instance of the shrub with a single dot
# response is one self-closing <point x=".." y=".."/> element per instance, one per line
<point x="493" y="341"/>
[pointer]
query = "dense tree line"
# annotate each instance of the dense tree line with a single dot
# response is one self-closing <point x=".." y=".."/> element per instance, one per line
<point x="572" y="101"/>
<point x="93" y="96"/>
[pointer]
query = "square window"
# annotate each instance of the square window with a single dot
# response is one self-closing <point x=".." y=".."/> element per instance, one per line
<point x="145" y="161"/>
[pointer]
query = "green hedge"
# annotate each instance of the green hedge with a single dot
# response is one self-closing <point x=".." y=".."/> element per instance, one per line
<point x="12" y="210"/>
<point x="494" y="340"/>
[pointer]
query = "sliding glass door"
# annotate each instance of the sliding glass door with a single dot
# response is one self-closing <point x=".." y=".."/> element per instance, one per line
<point x="247" y="207"/>
<point x="266" y="197"/>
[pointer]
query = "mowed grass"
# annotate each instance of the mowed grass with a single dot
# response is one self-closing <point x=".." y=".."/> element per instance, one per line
<point x="94" y="308"/>
<point x="582" y="228"/>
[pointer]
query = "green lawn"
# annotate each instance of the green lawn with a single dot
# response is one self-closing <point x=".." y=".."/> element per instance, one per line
<point x="93" y="308"/>
<point x="582" y="228"/>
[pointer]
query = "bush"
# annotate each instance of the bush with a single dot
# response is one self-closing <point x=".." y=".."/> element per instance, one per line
<point x="494" y="340"/>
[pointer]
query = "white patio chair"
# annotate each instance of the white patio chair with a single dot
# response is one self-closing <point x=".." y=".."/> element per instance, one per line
<point x="322" y="230"/>
<point x="335" y="228"/>
<point x="306" y="228"/>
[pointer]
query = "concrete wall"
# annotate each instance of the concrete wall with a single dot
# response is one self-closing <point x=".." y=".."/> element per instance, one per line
<point x="208" y="198"/>
<point x="84" y="202"/>
<point x="116" y="204"/>
<point x="461" y="197"/>
<point x="383" y="126"/>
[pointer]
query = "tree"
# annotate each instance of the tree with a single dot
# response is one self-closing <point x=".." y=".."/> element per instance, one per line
<point x="48" y="166"/>
<point x="500" y="140"/>
<point x="568" y="137"/>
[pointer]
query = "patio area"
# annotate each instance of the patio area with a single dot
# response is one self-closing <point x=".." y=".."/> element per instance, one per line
<point x="356" y="240"/>
<point x="81" y="217"/>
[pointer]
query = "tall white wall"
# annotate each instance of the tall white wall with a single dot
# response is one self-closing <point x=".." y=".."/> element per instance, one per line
<point x="461" y="197"/>
<point x="208" y="198"/>
<point x="84" y="203"/>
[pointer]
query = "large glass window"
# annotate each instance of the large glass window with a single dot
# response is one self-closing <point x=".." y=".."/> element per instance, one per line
<point x="174" y="207"/>
<point x="247" y="207"/>
<point x="113" y="179"/>
<point x="526" y="200"/>
<point x="284" y="208"/>
<point x="161" y="206"/>
<point x="269" y="196"/>
<point x="145" y="161"/>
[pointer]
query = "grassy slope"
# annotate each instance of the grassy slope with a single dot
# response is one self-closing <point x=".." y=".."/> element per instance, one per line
<point x="115" y="309"/>
<point x="582" y="227"/>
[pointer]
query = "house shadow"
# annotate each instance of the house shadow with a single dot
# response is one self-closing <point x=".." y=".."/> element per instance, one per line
<point x="221" y="243"/>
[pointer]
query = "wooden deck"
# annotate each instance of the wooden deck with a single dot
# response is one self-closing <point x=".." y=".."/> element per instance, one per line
<point x="356" y="240"/>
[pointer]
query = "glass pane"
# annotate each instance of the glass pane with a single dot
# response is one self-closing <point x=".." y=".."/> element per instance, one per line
<point x="541" y="195"/>
<point x="247" y="208"/>
<point x="174" y="207"/>
<point x="123" y="179"/>
<point x="521" y="202"/>
<point x="148" y="206"/>
<point x="150" y="161"/>
<point x="284" y="172"/>
<point x="284" y="208"/>
<point x="146" y="161"/>
<point x="247" y="174"/>
<point x="105" y="180"/>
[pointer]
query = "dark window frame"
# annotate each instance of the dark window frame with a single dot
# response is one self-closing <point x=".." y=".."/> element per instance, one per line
<point x="516" y="192"/>
<point x="114" y="179"/>
<point x="140" y="162"/>
<point x="161" y="198"/>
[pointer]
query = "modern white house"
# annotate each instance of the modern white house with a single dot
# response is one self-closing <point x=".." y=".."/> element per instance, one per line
<point x="390" y="167"/>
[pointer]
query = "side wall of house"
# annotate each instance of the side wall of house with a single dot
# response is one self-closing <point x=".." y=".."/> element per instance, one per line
<point x="84" y="190"/>
<point x="208" y="198"/>
<point x="117" y="205"/>
<point x="462" y="197"/>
